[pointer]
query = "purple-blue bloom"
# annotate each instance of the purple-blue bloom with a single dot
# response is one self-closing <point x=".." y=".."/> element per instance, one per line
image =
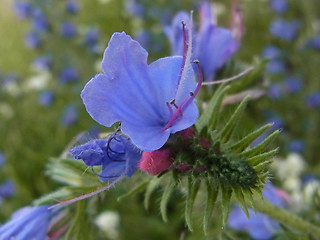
<point x="315" y="42"/>
<point x="68" y="74"/>
<point x="292" y="84"/>
<point x="68" y="30"/>
<point x="271" y="52"/>
<point x="72" y="6"/>
<point x="258" y="226"/>
<point x="2" y="159"/>
<point x="42" y="63"/>
<point x="39" y="21"/>
<point x="283" y="29"/>
<point x="313" y="100"/>
<point x="117" y="156"/>
<point x="213" y="45"/>
<point x="275" y="67"/>
<point x="46" y="98"/>
<point x="70" y="116"/>
<point x="32" y="40"/>
<point x="275" y="91"/>
<point x="150" y="100"/>
<point x="296" y="146"/>
<point x="134" y="8"/>
<point x="27" y="223"/>
<point x="279" y="6"/>
<point x="7" y="189"/>
<point x="23" y="10"/>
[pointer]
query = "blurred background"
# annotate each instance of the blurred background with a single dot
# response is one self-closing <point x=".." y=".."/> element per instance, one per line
<point x="49" y="49"/>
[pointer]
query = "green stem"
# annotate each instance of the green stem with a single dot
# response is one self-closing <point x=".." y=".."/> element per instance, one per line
<point x="286" y="217"/>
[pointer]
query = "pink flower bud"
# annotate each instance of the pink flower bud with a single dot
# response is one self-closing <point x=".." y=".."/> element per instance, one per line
<point x="155" y="162"/>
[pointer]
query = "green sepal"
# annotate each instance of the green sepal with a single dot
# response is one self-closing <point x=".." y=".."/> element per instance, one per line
<point x="248" y="196"/>
<point x="247" y="140"/>
<point x="260" y="147"/>
<point x="153" y="184"/>
<point x="253" y="161"/>
<point x="209" y="118"/>
<point x="241" y="201"/>
<point x="232" y="123"/>
<point x="135" y="190"/>
<point x="212" y="193"/>
<point x="193" y="188"/>
<point x="226" y="193"/>
<point x="261" y="166"/>
<point x="168" y="190"/>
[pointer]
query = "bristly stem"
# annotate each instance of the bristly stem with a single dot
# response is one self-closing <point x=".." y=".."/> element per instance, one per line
<point x="286" y="217"/>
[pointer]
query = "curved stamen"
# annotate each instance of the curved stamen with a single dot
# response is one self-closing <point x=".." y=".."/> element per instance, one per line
<point x="173" y="102"/>
<point x="170" y="109"/>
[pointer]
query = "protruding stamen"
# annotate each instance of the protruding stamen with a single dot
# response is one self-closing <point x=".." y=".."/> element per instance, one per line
<point x="200" y="78"/>
<point x="173" y="102"/>
<point x="170" y="109"/>
<point x="185" y="47"/>
<point x="229" y="79"/>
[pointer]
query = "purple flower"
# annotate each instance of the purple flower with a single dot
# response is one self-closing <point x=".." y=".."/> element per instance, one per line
<point x="275" y="67"/>
<point x="315" y="42"/>
<point x="279" y="6"/>
<point x="42" y="63"/>
<point x="2" y="159"/>
<point x="292" y="84"/>
<point x="23" y="10"/>
<point x="32" y="40"/>
<point x="213" y="45"/>
<point x="72" y="6"/>
<point x="117" y="156"/>
<point x="283" y="29"/>
<point x="134" y="8"/>
<point x="296" y="146"/>
<point x="271" y="52"/>
<point x="7" y="189"/>
<point x="68" y="30"/>
<point x="46" y="98"/>
<point x="258" y="226"/>
<point x="151" y="101"/>
<point x="91" y="36"/>
<point x="275" y="91"/>
<point x="40" y="21"/>
<point x="27" y="223"/>
<point x="313" y="100"/>
<point x="70" y="116"/>
<point x="68" y="74"/>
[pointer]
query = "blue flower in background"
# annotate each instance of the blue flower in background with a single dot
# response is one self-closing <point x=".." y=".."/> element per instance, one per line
<point x="279" y="6"/>
<point x="271" y="52"/>
<point x="70" y="116"/>
<point x="7" y="189"/>
<point x="72" y="6"/>
<point x="275" y="91"/>
<point x="258" y="226"/>
<point x="313" y="100"/>
<point x="213" y="45"/>
<point x="46" y="98"/>
<point x="90" y="39"/>
<point x="68" y="74"/>
<point x="117" y="156"/>
<point x="68" y="30"/>
<point x="151" y="101"/>
<point x="315" y="42"/>
<point x="23" y="10"/>
<point x="27" y="223"/>
<point x="292" y="84"/>
<point x="285" y="30"/>
<point x="296" y="146"/>
<point x="134" y="8"/>
<point x="39" y="21"/>
<point x="32" y="40"/>
<point x="275" y="67"/>
<point x="2" y="159"/>
<point x="42" y="63"/>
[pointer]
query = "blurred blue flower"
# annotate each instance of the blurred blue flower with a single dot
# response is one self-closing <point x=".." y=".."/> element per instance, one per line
<point x="23" y="9"/>
<point x="271" y="52"/>
<point x="313" y="100"/>
<point x="32" y="40"/>
<point x="275" y="67"/>
<point x="27" y="223"/>
<point x="275" y="91"/>
<point x="283" y="29"/>
<point x="91" y="36"/>
<point x="277" y="123"/>
<point x="68" y="74"/>
<point x="2" y="159"/>
<point x="144" y="38"/>
<point x="315" y="42"/>
<point x="292" y="84"/>
<point x="143" y="97"/>
<point x="46" y="98"/>
<point x="72" y="6"/>
<point x="68" y="30"/>
<point x="42" y="63"/>
<point x="213" y="45"/>
<point x="258" y="226"/>
<point x="117" y="156"/>
<point x="7" y="189"/>
<point x="39" y="21"/>
<point x="134" y="8"/>
<point x="296" y="146"/>
<point x="70" y="116"/>
<point x="279" y="6"/>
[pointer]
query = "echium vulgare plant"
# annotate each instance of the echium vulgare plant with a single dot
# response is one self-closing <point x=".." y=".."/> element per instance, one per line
<point x="163" y="134"/>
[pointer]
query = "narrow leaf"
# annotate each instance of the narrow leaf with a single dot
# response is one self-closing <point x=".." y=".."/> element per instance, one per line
<point x="262" y="166"/>
<point x="212" y="193"/>
<point x="168" y="190"/>
<point x="193" y="188"/>
<point x="154" y="183"/>
<point x="253" y="161"/>
<point x="135" y="190"/>
<point x="225" y="205"/>
<point x="241" y="201"/>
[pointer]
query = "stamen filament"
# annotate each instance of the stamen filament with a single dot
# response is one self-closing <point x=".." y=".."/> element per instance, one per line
<point x="170" y="109"/>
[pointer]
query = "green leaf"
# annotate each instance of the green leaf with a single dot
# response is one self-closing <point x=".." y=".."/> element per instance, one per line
<point x="253" y="161"/>
<point x="193" y="188"/>
<point x="247" y="140"/>
<point x="232" y="123"/>
<point x="212" y="193"/>
<point x="168" y="190"/>
<point x="260" y="147"/>
<point x="262" y="166"/>
<point x="153" y="184"/>
<point x="51" y="198"/>
<point x="135" y="190"/>
<point x="241" y="201"/>
<point x="209" y="118"/>
<point x="226" y="193"/>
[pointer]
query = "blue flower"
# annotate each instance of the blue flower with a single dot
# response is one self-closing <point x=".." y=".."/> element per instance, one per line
<point x="23" y="10"/>
<point x="258" y="226"/>
<point x="292" y="84"/>
<point x="68" y="30"/>
<point x="42" y="63"/>
<point x="213" y="45"/>
<point x="2" y="159"/>
<point x="275" y="67"/>
<point x="40" y="21"/>
<point x="32" y="40"/>
<point x="151" y="101"/>
<point x="27" y="223"/>
<point x="315" y="42"/>
<point x="46" y="98"/>
<point x="68" y="74"/>
<point x="70" y="116"/>
<point x="279" y="6"/>
<point x="7" y="189"/>
<point x="275" y="91"/>
<point x="296" y="146"/>
<point x="313" y="100"/>
<point x="271" y="52"/>
<point x="72" y="6"/>
<point x="283" y="29"/>
<point x="117" y="156"/>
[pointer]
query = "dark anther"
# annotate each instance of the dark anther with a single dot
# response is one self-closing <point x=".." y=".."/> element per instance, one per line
<point x="191" y="94"/>
<point x="196" y="61"/>
<point x="183" y="22"/>
<point x="172" y="101"/>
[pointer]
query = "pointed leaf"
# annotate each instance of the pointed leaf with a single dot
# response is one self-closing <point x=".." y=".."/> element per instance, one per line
<point x="212" y="193"/>
<point x="168" y="190"/>
<point x="241" y="201"/>
<point x="226" y="193"/>
<point x="135" y="190"/>
<point x="154" y="183"/>
<point x="261" y="157"/>
<point x="193" y="188"/>
<point x="262" y="166"/>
